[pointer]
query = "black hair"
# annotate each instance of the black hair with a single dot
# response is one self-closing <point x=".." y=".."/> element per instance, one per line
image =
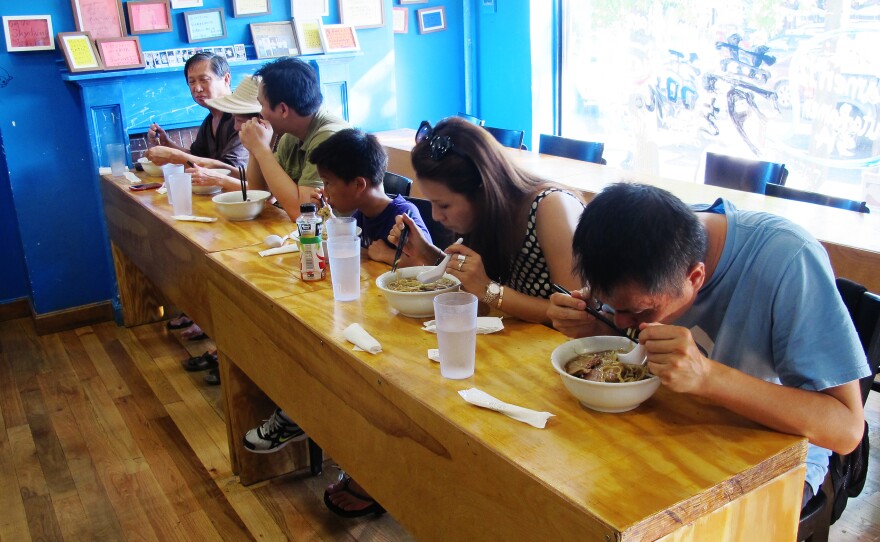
<point x="639" y="234"/>
<point x="292" y="81"/>
<point x="351" y="153"/>
<point x="218" y="63"/>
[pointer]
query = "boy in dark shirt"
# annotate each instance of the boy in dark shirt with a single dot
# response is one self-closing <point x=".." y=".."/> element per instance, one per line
<point x="352" y="165"/>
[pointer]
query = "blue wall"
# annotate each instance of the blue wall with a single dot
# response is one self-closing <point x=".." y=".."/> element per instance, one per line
<point x="53" y="243"/>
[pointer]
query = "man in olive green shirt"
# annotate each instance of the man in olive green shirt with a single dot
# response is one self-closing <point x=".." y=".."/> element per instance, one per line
<point x="290" y="96"/>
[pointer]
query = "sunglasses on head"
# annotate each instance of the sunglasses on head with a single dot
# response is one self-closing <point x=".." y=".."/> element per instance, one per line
<point x="440" y="145"/>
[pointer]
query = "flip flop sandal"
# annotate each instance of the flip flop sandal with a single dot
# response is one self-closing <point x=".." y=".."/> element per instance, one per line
<point x="200" y="363"/>
<point x="193" y="333"/>
<point x="213" y="377"/>
<point x="179" y="323"/>
<point x="372" y="508"/>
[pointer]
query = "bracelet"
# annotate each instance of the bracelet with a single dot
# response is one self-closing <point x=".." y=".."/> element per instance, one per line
<point x="500" y="298"/>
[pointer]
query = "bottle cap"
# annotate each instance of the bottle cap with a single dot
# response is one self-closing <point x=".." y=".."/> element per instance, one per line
<point x="307" y="208"/>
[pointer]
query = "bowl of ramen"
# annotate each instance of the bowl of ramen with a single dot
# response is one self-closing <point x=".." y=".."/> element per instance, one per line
<point x="234" y="208"/>
<point x="409" y="296"/>
<point x="590" y="371"/>
<point x="150" y="168"/>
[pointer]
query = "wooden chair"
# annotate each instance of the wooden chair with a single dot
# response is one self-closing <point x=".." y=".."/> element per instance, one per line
<point x="395" y="184"/>
<point x="441" y="236"/>
<point x="471" y="118"/>
<point x="778" y="191"/>
<point x="508" y="138"/>
<point x="742" y="174"/>
<point x="847" y="473"/>
<point x="576" y="149"/>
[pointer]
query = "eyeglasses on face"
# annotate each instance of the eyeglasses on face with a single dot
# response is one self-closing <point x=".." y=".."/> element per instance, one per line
<point x="440" y="145"/>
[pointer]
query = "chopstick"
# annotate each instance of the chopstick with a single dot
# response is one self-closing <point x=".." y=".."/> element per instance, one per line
<point x="628" y="333"/>
<point x="400" y="242"/>
<point x="241" y="177"/>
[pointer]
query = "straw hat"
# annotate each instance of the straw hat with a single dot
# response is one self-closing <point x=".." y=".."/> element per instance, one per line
<point x="242" y="101"/>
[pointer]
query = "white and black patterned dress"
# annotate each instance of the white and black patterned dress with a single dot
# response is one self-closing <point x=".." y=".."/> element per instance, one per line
<point x="529" y="273"/>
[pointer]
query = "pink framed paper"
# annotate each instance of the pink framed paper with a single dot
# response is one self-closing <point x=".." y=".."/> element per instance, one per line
<point x="149" y="17"/>
<point x="400" y="17"/>
<point x="28" y="33"/>
<point x="339" y="38"/>
<point x="120" y="53"/>
<point x="100" y="18"/>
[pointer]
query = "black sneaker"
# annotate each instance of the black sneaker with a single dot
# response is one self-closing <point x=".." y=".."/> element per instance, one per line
<point x="276" y="433"/>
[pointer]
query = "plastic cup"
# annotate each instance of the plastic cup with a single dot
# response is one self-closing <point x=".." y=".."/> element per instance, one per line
<point x="344" y="225"/>
<point x="167" y="171"/>
<point x="455" y="314"/>
<point x="181" y="193"/>
<point x="345" y="266"/>
<point x="116" y="156"/>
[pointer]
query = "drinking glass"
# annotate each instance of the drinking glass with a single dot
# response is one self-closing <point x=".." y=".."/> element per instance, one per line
<point x="345" y="266"/>
<point x="116" y="156"/>
<point x="181" y="190"/>
<point x="455" y="314"/>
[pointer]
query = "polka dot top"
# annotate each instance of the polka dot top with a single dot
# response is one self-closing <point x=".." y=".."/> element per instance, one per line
<point x="529" y="273"/>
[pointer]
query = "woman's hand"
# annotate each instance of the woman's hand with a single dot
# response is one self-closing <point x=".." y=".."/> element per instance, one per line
<point x="256" y="134"/>
<point x="467" y="266"/>
<point x="417" y="249"/>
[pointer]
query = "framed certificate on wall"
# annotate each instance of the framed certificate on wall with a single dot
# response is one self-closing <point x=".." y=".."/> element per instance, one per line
<point x="362" y="13"/>
<point x="245" y="8"/>
<point x="205" y="25"/>
<point x="149" y="17"/>
<point x="100" y="18"/>
<point x="339" y="38"/>
<point x="120" y="53"/>
<point x="79" y="52"/>
<point x="28" y="33"/>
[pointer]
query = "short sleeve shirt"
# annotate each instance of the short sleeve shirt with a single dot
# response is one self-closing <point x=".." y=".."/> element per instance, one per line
<point x="293" y="154"/>
<point x="373" y="229"/>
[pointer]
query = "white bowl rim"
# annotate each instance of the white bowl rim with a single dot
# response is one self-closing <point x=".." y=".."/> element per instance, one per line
<point x="564" y="374"/>
<point x="261" y="195"/>
<point x="409" y="273"/>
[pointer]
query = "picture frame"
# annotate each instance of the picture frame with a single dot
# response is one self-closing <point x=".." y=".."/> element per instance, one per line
<point x="120" y="53"/>
<point x="362" y="13"/>
<point x="400" y="20"/>
<point x="309" y="9"/>
<point x="28" y="33"/>
<point x="404" y="2"/>
<point x="181" y="4"/>
<point x="339" y="38"/>
<point x="205" y="25"/>
<point x="431" y="19"/>
<point x="274" y="40"/>
<point x="100" y="18"/>
<point x="308" y="36"/>
<point x="149" y="17"/>
<point x="79" y="52"/>
<point x="249" y="8"/>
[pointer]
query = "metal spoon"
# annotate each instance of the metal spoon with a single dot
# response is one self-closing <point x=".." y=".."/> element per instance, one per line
<point x="436" y="273"/>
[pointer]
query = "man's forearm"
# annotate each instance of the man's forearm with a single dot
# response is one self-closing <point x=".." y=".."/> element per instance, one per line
<point x="273" y="177"/>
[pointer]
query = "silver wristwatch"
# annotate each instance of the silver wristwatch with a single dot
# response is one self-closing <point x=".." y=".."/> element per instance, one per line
<point x="493" y="291"/>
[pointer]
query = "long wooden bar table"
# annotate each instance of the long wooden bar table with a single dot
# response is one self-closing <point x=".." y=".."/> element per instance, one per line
<point x="851" y="239"/>
<point x="674" y="468"/>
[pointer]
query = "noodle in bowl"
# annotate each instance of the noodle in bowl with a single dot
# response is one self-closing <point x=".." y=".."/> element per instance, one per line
<point x="601" y="396"/>
<point x="416" y="304"/>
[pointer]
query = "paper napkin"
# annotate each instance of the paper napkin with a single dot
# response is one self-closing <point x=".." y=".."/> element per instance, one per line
<point x="525" y="415"/>
<point x="361" y="339"/>
<point x="485" y="324"/>
<point x="191" y="218"/>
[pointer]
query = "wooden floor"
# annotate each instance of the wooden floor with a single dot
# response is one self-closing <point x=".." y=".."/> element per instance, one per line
<point x="104" y="437"/>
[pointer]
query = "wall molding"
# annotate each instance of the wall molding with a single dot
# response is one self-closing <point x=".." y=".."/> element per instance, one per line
<point x="63" y="320"/>
<point x="16" y="308"/>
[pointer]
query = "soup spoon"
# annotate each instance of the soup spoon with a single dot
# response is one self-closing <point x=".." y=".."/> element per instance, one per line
<point x="273" y="241"/>
<point x="637" y="356"/>
<point x="436" y="273"/>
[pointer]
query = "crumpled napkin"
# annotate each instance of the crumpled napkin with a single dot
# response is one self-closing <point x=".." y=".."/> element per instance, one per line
<point x="361" y="339"/>
<point x="525" y="415"/>
<point x="292" y="247"/>
<point x="191" y="218"/>
<point x="105" y="170"/>
<point x="485" y="324"/>
<point x="162" y="189"/>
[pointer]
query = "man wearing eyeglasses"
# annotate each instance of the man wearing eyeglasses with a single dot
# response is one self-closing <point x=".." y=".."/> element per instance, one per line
<point x="291" y="99"/>
<point x="737" y="307"/>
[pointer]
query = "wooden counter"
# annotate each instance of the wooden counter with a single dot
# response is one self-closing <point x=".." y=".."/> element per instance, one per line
<point x="851" y="239"/>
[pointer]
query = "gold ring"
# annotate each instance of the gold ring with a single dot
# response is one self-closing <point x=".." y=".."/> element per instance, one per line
<point x="460" y="263"/>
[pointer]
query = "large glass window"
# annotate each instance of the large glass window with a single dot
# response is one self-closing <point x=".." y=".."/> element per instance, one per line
<point x="660" y="82"/>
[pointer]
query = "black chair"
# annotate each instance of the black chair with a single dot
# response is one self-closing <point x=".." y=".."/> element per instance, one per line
<point x="471" y="118"/>
<point x="741" y="174"/>
<point x="395" y="184"/>
<point x="508" y="138"/>
<point x="778" y="191"/>
<point x="587" y="151"/>
<point x="441" y="236"/>
<point x="847" y="473"/>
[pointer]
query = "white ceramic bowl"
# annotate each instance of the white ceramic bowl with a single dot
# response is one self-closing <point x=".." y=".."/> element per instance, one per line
<point x="150" y="168"/>
<point x="211" y="188"/>
<point x="413" y="304"/>
<point x="230" y="205"/>
<point x="601" y="396"/>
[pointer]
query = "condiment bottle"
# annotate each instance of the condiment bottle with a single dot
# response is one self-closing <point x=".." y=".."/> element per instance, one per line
<point x="311" y="255"/>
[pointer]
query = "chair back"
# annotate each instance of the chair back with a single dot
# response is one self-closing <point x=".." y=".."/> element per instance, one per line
<point x="847" y="473"/>
<point x="471" y="118"/>
<point x="508" y="138"/>
<point x="395" y="184"/>
<point x="778" y="191"/>
<point x="441" y="236"/>
<point x="576" y="149"/>
<point x="741" y="174"/>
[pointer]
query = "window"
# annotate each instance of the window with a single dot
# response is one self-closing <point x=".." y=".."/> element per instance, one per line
<point x="661" y="82"/>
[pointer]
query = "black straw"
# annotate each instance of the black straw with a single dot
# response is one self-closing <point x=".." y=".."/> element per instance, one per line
<point x="598" y="315"/>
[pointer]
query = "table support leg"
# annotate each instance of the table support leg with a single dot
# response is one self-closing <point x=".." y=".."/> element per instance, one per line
<point x="141" y="300"/>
